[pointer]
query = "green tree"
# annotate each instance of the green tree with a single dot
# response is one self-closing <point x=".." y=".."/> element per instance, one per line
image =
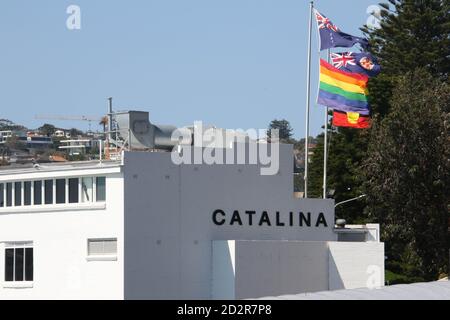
<point x="346" y="151"/>
<point x="47" y="129"/>
<point x="413" y="33"/>
<point x="6" y="124"/>
<point x="74" y="132"/>
<point x="284" y="130"/>
<point x="14" y="143"/>
<point x="407" y="173"/>
<point x="315" y="179"/>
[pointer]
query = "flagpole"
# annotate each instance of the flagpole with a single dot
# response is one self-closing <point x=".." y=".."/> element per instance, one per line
<point x="308" y="93"/>
<point x="325" y="145"/>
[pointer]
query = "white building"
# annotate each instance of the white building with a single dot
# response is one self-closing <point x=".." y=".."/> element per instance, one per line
<point x="4" y="135"/>
<point x="145" y="228"/>
<point x="59" y="134"/>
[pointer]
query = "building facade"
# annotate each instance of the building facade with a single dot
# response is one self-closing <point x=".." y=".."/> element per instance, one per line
<point x="146" y="228"/>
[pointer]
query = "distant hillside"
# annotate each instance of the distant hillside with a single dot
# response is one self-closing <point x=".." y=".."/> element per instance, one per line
<point x="6" y="124"/>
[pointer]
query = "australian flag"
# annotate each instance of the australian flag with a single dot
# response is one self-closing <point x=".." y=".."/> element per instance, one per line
<point x="362" y="62"/>
<point x="332" y="37"/>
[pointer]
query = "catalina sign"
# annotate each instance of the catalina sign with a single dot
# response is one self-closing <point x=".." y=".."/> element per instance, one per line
<point x="266" y="218"/>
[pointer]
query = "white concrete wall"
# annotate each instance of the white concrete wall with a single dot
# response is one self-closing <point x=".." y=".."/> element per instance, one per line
<point x="254" y="269"/>
<point x="223" y="286"/>
<point x="168" y="246"/>
<point x="61" y="270"/>
<point x="272" y="268"/>
<point x="268" y="268"/>
<point x="168" y="219"/>
<point x="356" y="265"/>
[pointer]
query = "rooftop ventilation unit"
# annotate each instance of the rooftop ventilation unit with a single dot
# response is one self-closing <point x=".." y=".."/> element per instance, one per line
<point x="133" y="129"/>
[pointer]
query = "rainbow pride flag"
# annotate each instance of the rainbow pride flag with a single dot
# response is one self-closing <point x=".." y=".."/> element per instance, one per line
<point x="343" y="91"/>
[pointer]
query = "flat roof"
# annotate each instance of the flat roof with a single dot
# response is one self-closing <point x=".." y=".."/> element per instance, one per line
<point x="438" y="290"/>
<point x="55" y="166"/>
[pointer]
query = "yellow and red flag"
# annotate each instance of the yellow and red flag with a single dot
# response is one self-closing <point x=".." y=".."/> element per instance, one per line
<point x="351" y="120"/>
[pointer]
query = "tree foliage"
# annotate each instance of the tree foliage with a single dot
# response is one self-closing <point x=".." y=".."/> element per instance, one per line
<point x="284" y="130"/>
<point x="413" y="33"/>
<point x="6" y="125"/>
<point x="407" y="174"/>
<point x="405" y="186"/>
<point x="400" y="162"/>
<point x="47" y="129"/>
<point x="74" y="132"/>
<point x="346" y="152"/>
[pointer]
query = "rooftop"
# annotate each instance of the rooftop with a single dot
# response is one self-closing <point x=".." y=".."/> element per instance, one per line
<point x="439" y="290"/>
<point x="48" y="167"/>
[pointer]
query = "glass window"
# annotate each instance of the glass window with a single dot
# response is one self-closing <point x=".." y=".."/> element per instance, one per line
<point x="48" y="186"/>
<point x="9" y="265"/>
<point x="37" y="190"/>
<point x="9" y="194"/>
<point x="87" y="189"/>
<point x="17" y="193"/>
<point x="29" y="264"/>
<point x="19" y="263"/>
<point x="60" y="191"/>
<point x="73" y="190"/>
<point x="27" y="193"/>
<point x="2" y="196"/>
<point x="102" y="247"/>
<point x="101" y="188"/>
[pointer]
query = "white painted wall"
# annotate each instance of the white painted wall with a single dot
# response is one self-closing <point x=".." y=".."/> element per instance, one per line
<point x="254" y="269"/>
<point x="356" y="265"/>
<point x="169" y="231"/>
<point x="168" y="246"/>
<point x="272" y="268"/>
<point x="268" y="268"/>
<point x="61" y="270"/>
<point x="223" y="284"/>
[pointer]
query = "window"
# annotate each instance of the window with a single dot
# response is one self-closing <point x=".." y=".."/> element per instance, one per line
<point x="37" y="190"/>
<point x="73" y="190"/>
<point x="101" y="188"/>
<point x="48" y="186"/>
<point x="53" y="191"/>
<point x="18" y="263"/>
<point x="9" y="194"/>
<point x="17" y="193"/>
<point x="2" y="195"/>
<point x="87" y="189"/>
<point x="27" y="193"/>
<point x="9" y="265"/>
<point x="60" y="191"/>
<point x="102" y="247"/>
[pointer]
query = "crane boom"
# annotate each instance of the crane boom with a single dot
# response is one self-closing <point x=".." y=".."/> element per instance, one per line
<point x="69" y="118"/>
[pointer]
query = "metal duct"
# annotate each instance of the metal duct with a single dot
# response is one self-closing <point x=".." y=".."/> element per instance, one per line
<point x="163" y="136"/>
<point x="136" y="131"/>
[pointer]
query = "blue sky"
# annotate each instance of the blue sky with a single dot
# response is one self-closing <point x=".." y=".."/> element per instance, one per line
<point x="230" y="63"/>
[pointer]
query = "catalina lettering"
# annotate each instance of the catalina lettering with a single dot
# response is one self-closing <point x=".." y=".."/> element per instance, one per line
<point x="266" y="218"/>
